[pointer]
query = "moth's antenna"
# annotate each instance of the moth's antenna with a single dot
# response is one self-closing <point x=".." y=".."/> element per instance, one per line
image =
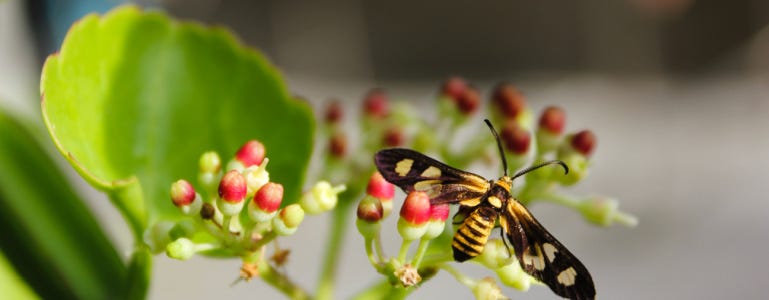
<point x="534" y="167"/>
<point x="499" y="145"/>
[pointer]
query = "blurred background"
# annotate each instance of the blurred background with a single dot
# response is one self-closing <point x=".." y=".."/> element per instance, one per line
<point x="677" y="92"/>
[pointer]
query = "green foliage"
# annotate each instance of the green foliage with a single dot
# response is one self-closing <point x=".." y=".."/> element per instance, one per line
<point x="49" y="236"/>
<point x="133" y="98"/>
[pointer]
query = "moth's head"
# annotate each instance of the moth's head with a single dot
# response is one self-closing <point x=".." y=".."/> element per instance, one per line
<point x="506" y="182"/>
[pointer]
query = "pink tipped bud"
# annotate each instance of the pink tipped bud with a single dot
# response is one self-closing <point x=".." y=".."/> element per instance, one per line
<point x="232" y="187"/>
<point x="416" y="208"/>
<point x="553" y="120"/>
<point x="517" y="140"/>
<point x="393" y="137"/>
<point x="508" y="100"/>
<point x="454" y="87"/>
<point x="469" y="101"/>
<point x="439" y="212"/>
<point x="334" y="112"/>
<point x="584" y="142"/>
<point x="182" y="193"/>
<point x="370" y="210"/>
<point x="376" y="104"/>
<point x="379" y="187"/>
<point x="252" y="153"/>
<point x="338" y="145"/>
<point x="268" y="197"/>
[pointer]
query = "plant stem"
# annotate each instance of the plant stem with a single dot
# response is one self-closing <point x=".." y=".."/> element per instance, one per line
<point x="421" y="250"/>
<point x="280" y="281"/>
<point x="339" y="226"/>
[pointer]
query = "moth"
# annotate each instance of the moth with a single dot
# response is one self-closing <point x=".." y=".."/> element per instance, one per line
<point x="486" y="203"/>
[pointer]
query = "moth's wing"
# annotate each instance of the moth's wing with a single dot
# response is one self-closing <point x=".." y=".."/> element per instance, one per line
<point x="411" y="170"/>
<point x="543" y="256"/>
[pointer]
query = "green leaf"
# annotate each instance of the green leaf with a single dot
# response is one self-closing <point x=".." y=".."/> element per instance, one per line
<point x="13" y="286"/>
<point x="49" y="236"/>
<point x="134" y="98"/>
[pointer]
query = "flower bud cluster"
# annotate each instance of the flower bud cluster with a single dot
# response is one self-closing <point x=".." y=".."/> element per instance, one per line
<point x="525" y="140"/>
<point x="238" y="209"/>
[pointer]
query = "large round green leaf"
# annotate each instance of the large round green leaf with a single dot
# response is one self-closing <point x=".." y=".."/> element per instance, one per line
<point x="133" y="98"/>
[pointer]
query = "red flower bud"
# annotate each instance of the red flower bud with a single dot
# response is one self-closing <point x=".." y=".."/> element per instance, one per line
<point x="182" y="193"/>
<point x="370" y="209"/>
<point x="393" y="137"/>
<point x="232" y="187"/>
<point x="338" y="145"/>
<point x="334" y="112"/>
<point x="379" y="187"/>
<point x="439" y="212"/>
<point x="252" y="153"/>
<point x="269" y="196"/>
<point x="553" y="120"/>
<point x="516" y="139"/>
<point x="376" y="104"/>
<point x="454" y="87"/>
<point x="508" y="100"/>
<point x="469" y="101"/>
<point x="416" y="208"/>
<point x="584" y="142"/>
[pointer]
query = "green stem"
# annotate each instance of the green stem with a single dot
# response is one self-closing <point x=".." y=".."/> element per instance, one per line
<point x="421" y="250"/>
<point x="404" y="251"/>
<point x="370" y="252"/>
<point x="280" y="281"/>
<point x="561" y="199"/>
<point x="333" y="249"/>
<point x="462" y="278"/>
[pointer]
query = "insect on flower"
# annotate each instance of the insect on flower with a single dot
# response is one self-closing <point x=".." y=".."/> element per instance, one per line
<point x="484" y="202"/>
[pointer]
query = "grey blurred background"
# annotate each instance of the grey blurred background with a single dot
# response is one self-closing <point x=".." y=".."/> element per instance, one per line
<point x="677" y="92"/>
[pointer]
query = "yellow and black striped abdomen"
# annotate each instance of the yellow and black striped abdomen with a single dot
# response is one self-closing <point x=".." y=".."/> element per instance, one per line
<point x="472" y="235"/>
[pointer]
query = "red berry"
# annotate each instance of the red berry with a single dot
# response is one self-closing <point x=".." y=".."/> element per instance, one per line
<point x="454" y="87"/>
<point x="516" y="138"/>
<point x="584" y="142"/>
<point x="553" y="119"/>
<point x="376" y="104"/>
<point x="233" y="187"/>
<point x="416" y="208"/>
<point x="269" y="196"/>
<point x="251" y="153"/>
<point x="182" y="193"/>
<point x="469" y="101"/>
<point x="370" y="210"/>
<point x="508" y="100"/>
<point x="334" y="112"/>
<point x="379" y="187"/>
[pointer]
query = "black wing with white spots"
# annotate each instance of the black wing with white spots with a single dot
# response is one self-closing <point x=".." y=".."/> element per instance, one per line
<point x="543" y="256"/>
<point x="411" y="170"/>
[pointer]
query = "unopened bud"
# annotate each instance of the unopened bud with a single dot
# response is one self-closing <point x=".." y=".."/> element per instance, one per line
<point x="438" y="215"/>
<point x="337" y="145"/>
<point x="508" y="100"/>
<point x="376" y="104"/>
<point x="334" y="112"/>
<point x="266" y="202"/>
<point x="288" y="219"/>
<point x="453" y="88"/>
<point x="517" y="140"/>
<point x="322" y="197"/>
<point x="251" y="153"/>
<point x="469" y="101"/>
<point x="415" y="213"/>
<point x="232" y="192"/>
<point x="584" y="142"/>
<point x="393" y="137"/>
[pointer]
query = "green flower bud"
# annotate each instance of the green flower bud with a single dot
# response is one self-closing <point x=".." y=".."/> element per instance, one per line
<point x="494" y="255"/>
<point x="321" y="198"/>
<point x="604" y="211"/>
<point x="288" y="219"/>
<point x="487" y="289"/>
<point x="181" y="249"/>
<point x="513" y="276"/>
